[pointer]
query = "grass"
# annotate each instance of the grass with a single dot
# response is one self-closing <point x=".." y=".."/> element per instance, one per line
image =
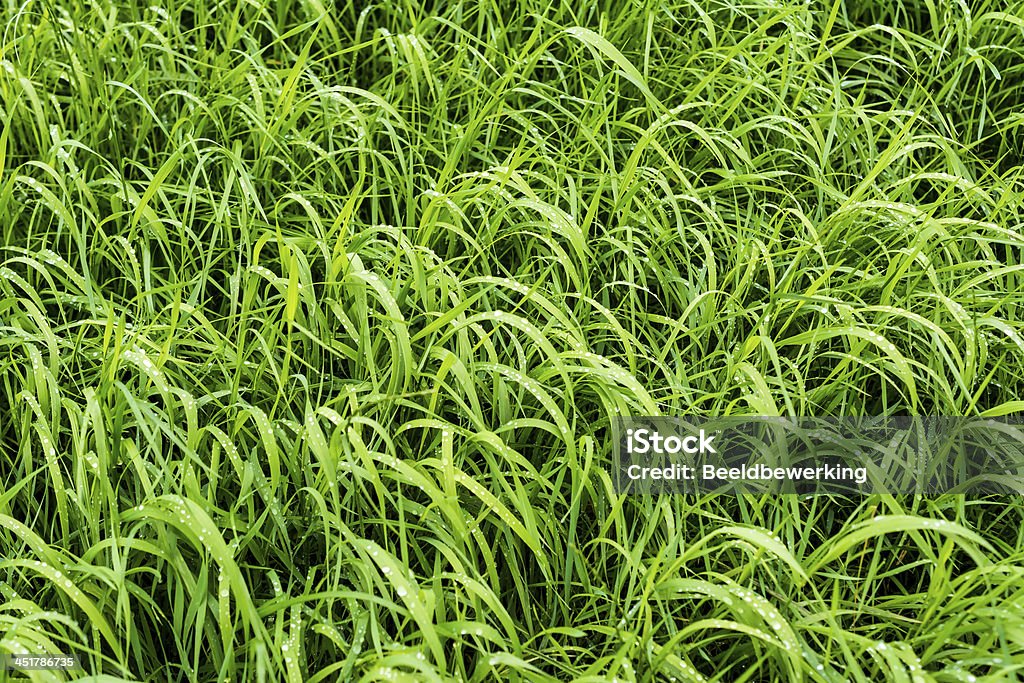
<point x="313" y="318"/>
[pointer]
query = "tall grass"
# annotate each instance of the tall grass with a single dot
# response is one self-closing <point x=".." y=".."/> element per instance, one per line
<point x="313" y="318"/>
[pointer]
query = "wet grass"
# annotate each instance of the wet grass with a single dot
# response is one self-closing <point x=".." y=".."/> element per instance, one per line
<point x="313" y="320"/>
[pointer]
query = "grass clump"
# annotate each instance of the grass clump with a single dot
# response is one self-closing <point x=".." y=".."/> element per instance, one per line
<point x="314" y="319"/>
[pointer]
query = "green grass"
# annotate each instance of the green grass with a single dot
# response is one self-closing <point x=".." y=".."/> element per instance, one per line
<point x="313" y="319"/>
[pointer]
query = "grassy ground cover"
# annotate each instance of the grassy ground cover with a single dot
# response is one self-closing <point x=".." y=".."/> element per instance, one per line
<point x="313" y="317"/>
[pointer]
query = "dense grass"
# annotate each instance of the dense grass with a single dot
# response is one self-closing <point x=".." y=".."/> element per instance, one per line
<point x="314" y="318"/>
